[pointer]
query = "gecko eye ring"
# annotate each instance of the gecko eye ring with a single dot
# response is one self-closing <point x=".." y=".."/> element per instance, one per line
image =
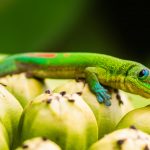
<point x="143" y="74"/>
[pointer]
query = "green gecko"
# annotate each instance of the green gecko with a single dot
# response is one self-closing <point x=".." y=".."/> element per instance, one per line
<point x="97" y="69"/>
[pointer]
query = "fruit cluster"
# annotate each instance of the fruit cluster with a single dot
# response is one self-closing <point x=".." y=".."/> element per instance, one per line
<point x="65" y="115"/>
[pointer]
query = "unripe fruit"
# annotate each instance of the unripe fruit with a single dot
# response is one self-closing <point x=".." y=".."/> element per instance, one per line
<point x="10" y="113"/>
<point x="138" y="117"/>
<point x="39" y="143"/>
<point x="138" y="101"/>
<point x="23" y="88"/>
<point x="124" y="139"/>
<point x="4" y="141"/>
<point x="63" y="118"/>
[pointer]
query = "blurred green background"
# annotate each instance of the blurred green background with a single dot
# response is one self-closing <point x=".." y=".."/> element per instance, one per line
<point x="112" y="27"/>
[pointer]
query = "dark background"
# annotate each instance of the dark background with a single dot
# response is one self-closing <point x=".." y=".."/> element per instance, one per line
<point x="132" y="19"/>
<point x="118" y="28"/>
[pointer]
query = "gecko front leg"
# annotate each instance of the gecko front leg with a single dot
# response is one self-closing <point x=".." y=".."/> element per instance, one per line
<point x="95" y="86"/>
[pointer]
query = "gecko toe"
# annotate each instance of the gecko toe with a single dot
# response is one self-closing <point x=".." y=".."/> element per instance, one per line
<point x="102" y="96"/>
<point x="107" y="102"/>
<point x="106" y="98"/>
<point x="99" y="98"/>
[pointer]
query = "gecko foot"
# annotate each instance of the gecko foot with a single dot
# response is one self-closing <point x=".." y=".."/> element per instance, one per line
<point x="102" y="95"/>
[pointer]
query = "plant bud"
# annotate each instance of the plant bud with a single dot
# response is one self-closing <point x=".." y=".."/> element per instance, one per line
<point x="124" y="139"/>
<point x="39" y="143"/>
<point x="138" y="117"/>
<point x="4" y="140"/>
<point x="23" y="88"/>
<point x="10" y="112"/>
<point x="63" y="118"/>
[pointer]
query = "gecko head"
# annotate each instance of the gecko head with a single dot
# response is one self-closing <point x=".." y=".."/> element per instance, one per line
<point x="137" y="80"/>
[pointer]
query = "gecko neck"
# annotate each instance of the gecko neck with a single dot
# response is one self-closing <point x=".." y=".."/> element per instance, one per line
<point x="116" y="74"/>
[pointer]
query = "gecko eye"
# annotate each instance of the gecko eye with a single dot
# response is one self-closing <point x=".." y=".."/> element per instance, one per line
<point x="143" y="74"/>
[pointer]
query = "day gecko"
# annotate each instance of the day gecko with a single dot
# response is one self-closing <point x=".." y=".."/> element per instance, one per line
<point x="97" y="69"/>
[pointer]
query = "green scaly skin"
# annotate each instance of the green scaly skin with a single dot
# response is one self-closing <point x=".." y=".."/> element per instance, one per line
<point x="97" y="69"/>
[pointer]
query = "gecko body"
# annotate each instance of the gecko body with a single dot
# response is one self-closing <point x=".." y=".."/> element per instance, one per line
<point x="97" y="69"/>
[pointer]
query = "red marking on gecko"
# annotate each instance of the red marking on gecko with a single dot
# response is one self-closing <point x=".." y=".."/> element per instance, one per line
<point x="67" y="54"/>
<point x="44" y="55"/>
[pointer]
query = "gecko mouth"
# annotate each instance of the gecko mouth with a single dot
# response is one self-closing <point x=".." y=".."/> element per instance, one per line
<point x="136" y="86"/>
<point x="145" y="85"/>
<point x="145" y="89"/>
